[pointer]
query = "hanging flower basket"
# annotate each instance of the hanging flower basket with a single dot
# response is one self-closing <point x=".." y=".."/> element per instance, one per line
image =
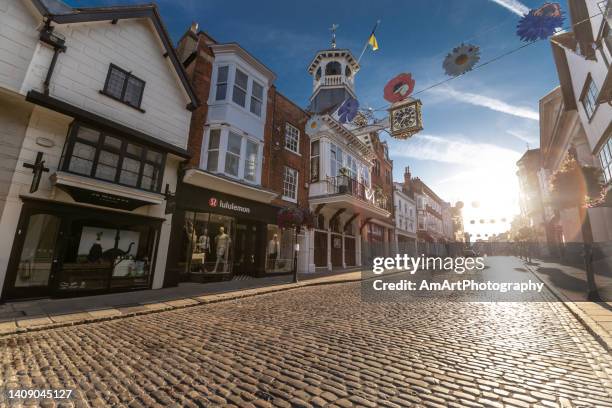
<point x="540" y="23"/>
<point x="574" y="185"/>
<point x="399" y="88"/>
<point x="295" y="217"/>
<point x="461" y="60"/>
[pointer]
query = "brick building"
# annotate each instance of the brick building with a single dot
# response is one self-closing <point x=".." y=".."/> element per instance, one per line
<point x="249" y="159"/>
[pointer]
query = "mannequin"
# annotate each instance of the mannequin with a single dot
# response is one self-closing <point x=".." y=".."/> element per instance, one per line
<point x="202" y="247"/>
<point x="222" y="244"/>
<point x="273" y="250"/>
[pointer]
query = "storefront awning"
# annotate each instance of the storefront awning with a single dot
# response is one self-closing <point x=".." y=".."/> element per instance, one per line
<point x="204" y="179"/>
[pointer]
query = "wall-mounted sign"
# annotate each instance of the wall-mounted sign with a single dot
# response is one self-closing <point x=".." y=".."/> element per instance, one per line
<point x="83" y="195"/>
<point x="38" y="168"/>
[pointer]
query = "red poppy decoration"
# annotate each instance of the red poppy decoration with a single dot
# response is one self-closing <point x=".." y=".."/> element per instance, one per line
<point x="399" y="88"/>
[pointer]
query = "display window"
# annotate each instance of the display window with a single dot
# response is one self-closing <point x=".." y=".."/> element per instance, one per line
<point x="279" y="249"/>
<point x="209" y="243"/>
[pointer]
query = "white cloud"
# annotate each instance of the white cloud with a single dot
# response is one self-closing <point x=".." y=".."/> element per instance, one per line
<point x="531" y="141"/>
<point x="514" y="6"/>
<point x="488" y="102"/>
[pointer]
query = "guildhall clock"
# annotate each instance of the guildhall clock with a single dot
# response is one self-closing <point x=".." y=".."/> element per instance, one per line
<point x="405" y="118"/>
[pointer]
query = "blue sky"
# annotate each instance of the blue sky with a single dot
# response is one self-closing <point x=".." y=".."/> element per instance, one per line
<point x="476" y="127"/>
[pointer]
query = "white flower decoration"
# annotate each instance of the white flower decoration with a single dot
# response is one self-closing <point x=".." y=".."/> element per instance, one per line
<point x="313" y="125"/>
<point x="461" y="60"/>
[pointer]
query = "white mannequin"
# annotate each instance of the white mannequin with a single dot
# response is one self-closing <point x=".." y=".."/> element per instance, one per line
<point x="222" y="244"/>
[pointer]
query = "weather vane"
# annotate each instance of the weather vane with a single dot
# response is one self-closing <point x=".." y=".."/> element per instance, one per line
<point x="333" y="29"/>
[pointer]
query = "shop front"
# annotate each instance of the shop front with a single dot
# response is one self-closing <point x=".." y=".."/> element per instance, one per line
<point x="64" y="249"/>
<point x="218" y="236"/>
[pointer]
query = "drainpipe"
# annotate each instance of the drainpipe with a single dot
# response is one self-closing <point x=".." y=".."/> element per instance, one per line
<point x="57" y="41"/>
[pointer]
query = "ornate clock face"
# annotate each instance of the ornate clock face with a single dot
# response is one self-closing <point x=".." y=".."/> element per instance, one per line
<point x="406" y="119"/>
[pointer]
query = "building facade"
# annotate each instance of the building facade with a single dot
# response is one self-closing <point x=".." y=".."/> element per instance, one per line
<point x="583" y="58"/>
<point x="353" y="212"/>
<point x="405" y="221"/>
<point x="250" y="158"/>
<point x="96" y="140"/>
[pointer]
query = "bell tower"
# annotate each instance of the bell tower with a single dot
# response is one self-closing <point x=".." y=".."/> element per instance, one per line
<point x="333" y="76"/>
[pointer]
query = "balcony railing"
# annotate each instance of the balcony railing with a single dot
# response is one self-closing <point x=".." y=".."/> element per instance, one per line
<point x="352" y="187"/>
<point x="334" y="80"/>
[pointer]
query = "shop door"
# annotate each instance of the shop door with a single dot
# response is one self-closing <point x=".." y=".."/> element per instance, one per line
<point x="245" y="249"/>
<point x="34" y="259"/>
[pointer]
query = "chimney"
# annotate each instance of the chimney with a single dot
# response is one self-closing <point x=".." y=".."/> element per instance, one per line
<point x="407" y="181"/>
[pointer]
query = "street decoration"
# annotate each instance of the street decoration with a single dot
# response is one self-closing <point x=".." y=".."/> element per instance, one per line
<point x="295" y="217"/>
<point x="313" y="125"/>
<point x="540" y="23"/>
<point x="405" y="118"/>
<point x="399" y="88"/>
<point x="348" y="110"/>
<point x="461" y="60"/>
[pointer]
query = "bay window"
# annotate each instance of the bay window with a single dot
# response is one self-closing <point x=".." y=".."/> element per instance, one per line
<point x="605" y="157"/>
<point x="314" y="161"/>
<point x="245" y="90"/>
<point x="235" y="155"/>
<point x="93" y="153"/>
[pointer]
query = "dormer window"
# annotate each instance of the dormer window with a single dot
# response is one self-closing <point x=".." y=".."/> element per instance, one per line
<point x="333" y="68"/>
<point x="245" y="90"/>
<point x="123" y="86"/>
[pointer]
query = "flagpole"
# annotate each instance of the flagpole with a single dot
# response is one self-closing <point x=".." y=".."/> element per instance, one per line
<point x="365" y="47"/>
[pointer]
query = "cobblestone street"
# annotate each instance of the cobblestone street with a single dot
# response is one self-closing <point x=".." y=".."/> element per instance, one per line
<point x="319" y="346"/>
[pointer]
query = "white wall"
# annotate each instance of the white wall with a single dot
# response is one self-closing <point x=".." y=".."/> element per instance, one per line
<point x="132" y="45"/>
<point x="18" y="39"/>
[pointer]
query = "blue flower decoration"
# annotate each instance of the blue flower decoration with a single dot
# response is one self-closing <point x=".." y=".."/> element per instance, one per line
<point x="348" y="110"/>
<point x="540" y="23"/>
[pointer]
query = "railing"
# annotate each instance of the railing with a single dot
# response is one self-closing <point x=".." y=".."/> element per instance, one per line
<point x="334" y="80"/>
<point x="352" y="187"/>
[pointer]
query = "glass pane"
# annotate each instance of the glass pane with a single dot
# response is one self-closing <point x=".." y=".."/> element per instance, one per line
<point x="82" y="158"/>
<point x="239" y="96"/>
<point x="154" y="157"/>
<point x="88" y="134"/>
<point x="221" y="92"/>
<point x="36" y="259"/>
<point x="233" y="143"/>
<point x="111" y="141"/>
<point x="134" y="150"/>
<point x="213" y="141"/>
<point x="115" y="83"/>
<point x="107" y="165"/>
<point x="257" y="91"/>
<point x="256" y="106"/>
<point x="133" y="91"/>
<point x="222" y="74"/>
<point x="250" y="164"/>
<point x="213" y="161"/>
<point x="241" y="79"/>
<point x="231" y="164"/>
<point x="315" y="148"/>
<point x="149" y="177"/>
<point x="129" y="172"/>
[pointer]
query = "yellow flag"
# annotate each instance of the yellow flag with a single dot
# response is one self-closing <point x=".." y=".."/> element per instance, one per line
<point x="372" y="41"/>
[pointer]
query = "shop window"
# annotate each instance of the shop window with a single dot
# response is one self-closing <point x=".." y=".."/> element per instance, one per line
<point x="123" y="86"/>
<point x="240" y="88"/>
<point x="256" y="98"/>
<point x="314" y="161"/>
<point x="290" y="184"/>
<point x="279" y="249"/>
<point x="100" y="256"/>
<point x="207" y="243"/>
<point x="292" y="138"/>
<point x="222" y="75"/>
<point x="108" y="157"/>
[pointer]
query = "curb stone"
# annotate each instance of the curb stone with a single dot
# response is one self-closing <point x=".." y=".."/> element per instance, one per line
<point x="589" y="324"/>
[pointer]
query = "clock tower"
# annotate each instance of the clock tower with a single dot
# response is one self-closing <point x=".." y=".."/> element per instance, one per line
<point x="333" y="77"/>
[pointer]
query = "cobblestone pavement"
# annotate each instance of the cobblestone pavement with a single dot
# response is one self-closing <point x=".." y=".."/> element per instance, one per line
<point x="318" y="346"/>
